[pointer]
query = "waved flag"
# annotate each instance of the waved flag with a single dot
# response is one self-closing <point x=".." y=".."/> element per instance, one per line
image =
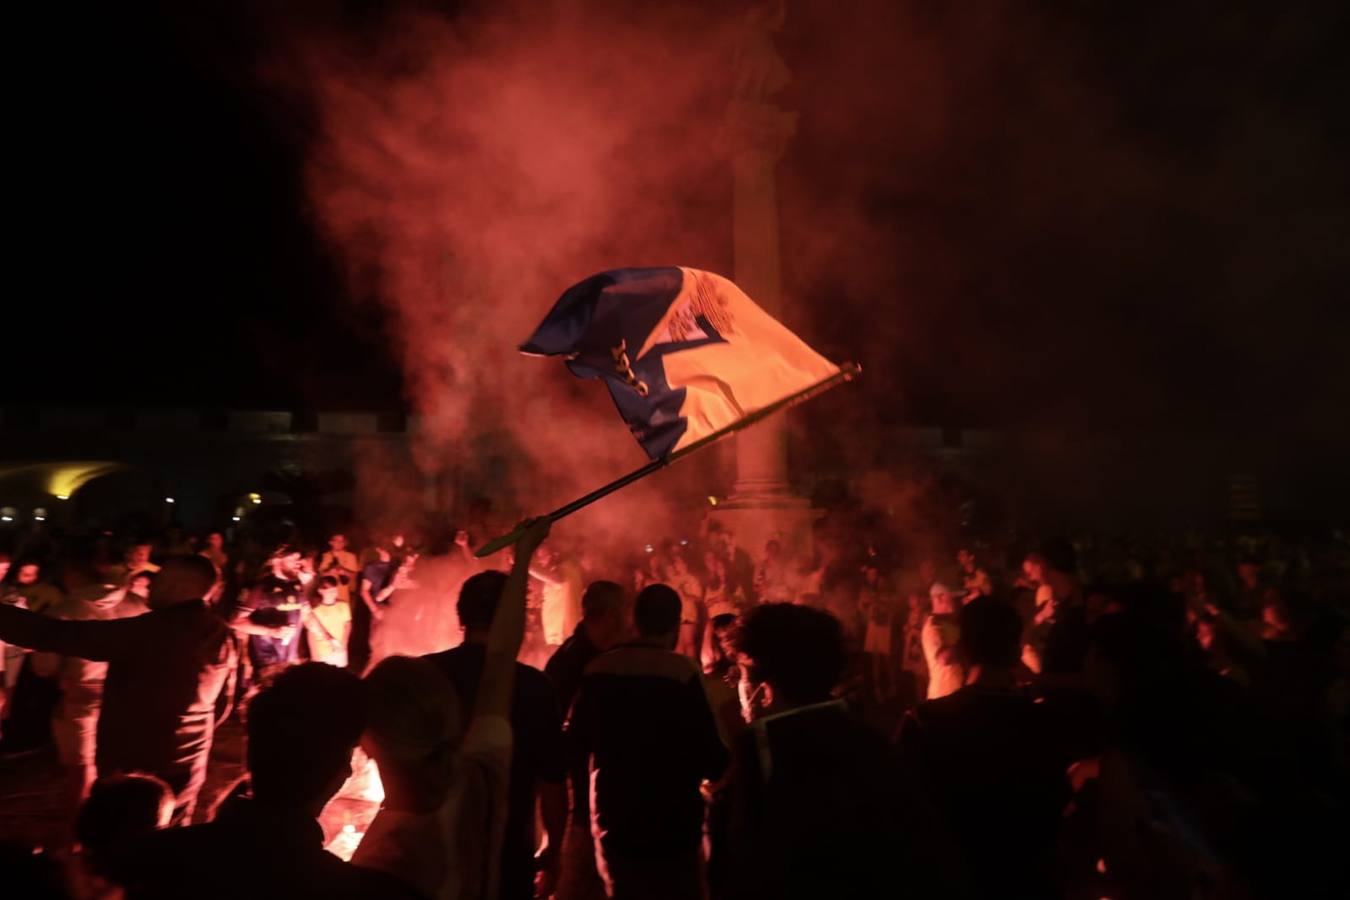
<point x="684" y="353"/>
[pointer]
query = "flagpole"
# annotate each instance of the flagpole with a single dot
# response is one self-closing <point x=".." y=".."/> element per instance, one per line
<point x="847" y="372"/>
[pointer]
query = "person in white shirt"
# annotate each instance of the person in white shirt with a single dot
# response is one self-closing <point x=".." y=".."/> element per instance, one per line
<point x="946" y="675"/>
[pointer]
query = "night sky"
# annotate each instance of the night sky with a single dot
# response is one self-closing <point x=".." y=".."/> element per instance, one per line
<point x="1066" y="211"/>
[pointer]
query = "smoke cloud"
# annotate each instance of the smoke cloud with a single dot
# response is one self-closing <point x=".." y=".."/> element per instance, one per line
<point x="468" y="170"/>
<point x="1008" y="215"/>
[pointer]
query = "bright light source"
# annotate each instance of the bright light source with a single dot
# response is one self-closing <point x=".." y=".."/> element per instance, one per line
<point x="6" y="518"/>
<point x="39" y="518"/>
<point x="168" y="499"/>
<point x="234" y="518"/>
<point x="62" y="496"/>
<point x="255" y="497"/>
<point x="712" y="501"/>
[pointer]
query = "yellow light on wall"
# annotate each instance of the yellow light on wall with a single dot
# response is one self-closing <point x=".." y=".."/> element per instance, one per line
<point x="66" y="478"/>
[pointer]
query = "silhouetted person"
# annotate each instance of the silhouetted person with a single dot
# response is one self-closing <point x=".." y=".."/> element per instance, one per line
<point x="165" y="670"/>
<point x="988" y="762"/>
<point x="1066" y="639"/>
<point x="538" y="765"/>
<point x="643" y="721"/>
<point x="604" y="623"/>
<point x="814" y="808"/>
<point x="444" y="766"/>
<point x="121" y="810"/>
<point x="939" y="635"/>
<point x="265" y="841"/>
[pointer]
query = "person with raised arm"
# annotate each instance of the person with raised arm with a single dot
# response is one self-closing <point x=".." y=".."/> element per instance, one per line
<point x="166" y="669"/>
<point x="446" y="773"/>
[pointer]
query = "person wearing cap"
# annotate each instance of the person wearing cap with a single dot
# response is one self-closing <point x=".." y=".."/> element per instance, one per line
<point x="940" y="633"/>
<point x="269" y="613"/>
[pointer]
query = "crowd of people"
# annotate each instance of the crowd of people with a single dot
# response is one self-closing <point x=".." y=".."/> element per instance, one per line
<point x="691" y="718"/>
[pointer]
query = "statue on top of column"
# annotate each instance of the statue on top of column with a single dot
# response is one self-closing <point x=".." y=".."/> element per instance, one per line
<point x="760" y="71"/>
<point x="756" y="123"/>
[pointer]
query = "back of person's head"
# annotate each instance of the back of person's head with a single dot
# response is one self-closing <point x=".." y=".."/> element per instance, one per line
<point x="302" y="729"/>
<point x="120" y="809"/>
<point x="796" y="650"/>
<point x="602" y="599"/>
<point x="604" y="608"/>
<point x="413" y="727"/>
<point x="182" y="579"/>
<point x="478" y="599"/>
<point x="656" y="611"/>
<point x="991" y="634"/>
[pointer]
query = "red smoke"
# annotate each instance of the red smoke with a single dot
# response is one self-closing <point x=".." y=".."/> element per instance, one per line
<point x="467" y="173"/>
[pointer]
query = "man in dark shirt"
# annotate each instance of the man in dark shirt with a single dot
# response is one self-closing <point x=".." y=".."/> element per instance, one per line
<point x="644" y="722"/>
<point x="265" y="841"/>
<point x="276" y="600"/>
<point x="538" y="764"/>
<point x="989" y="764"/>
<point x="814" y="807"/>
<point x="603" y="624"/>
<point x="604" y="621"/>
<point x="375" y="577"/>
<point x="165" y="670"/>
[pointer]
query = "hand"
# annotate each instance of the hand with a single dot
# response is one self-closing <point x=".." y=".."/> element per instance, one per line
<point x="547" y="864"/>
<point x="284" y="633"/>
<point x="462" y="539"/>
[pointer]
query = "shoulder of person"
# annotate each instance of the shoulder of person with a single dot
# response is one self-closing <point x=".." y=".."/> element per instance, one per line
<point x="641" y="660"/>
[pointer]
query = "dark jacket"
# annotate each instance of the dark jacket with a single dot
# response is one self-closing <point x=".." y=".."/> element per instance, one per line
<point x="815" y="809"/>
<point x="643" y="721"/>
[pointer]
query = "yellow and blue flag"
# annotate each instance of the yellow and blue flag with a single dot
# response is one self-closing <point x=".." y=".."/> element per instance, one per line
<point x="684" y="353"/>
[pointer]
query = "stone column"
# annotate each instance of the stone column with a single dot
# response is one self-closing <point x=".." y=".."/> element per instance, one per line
<point x="758" y="129"/>
<point x="759" y="132"/>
